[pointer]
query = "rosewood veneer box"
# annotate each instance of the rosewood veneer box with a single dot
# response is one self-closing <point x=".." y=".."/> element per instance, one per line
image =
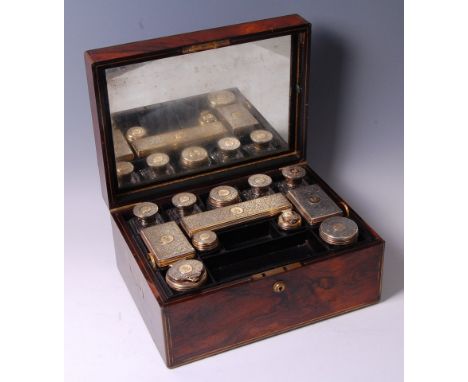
<point x="223" y="233"/>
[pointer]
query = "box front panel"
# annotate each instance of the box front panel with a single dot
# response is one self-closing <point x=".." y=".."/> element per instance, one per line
<point x="241" y="314"/>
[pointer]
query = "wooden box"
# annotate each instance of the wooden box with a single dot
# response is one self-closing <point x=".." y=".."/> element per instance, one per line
<point x="157" y="83"/>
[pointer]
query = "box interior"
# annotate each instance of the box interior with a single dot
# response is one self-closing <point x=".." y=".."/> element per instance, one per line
<point x="250" y="248"/>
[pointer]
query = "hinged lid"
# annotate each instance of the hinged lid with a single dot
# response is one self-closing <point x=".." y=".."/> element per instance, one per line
<point x="187" y="110"/>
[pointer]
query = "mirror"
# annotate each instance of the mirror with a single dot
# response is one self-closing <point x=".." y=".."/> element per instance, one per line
<point x="199" y="111"/>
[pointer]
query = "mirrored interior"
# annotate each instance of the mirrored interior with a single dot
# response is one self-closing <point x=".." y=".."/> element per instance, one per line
<point x="200" y="111"/>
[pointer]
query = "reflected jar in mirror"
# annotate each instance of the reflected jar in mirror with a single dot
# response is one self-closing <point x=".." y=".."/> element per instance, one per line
<point x="221" y="96"/>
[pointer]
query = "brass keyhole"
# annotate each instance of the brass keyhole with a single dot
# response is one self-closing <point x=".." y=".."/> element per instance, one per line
<point x="279" y="286"/>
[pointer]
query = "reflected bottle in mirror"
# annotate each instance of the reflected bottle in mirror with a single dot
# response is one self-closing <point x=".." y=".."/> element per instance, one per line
<point x="227" y="149"/>
<point x="158" y="165"/>
<point x="126" y="175"/>
<point x="260" y="141"/>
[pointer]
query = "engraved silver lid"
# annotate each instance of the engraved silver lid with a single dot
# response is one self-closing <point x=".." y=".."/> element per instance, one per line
<point x="228" y="145"/>
<point x="206" y="117"/>
<point x="158" y="161"/>
<point x="184" y="200"/>
<point x="205" y="240"/>
<point x="124" y="168"/>
<point x="261" y="138"/>
<point x="193" y="156"/>
<point x="293" y="175"/>
<point x="259" y="183"/>
<point x="145" y="212"/>
<point x="289" y="220"/>
<point x="186" y="274"/>
<point x="338" y="230"/>
<point x="135" y="132"/>
<point x="222" y="196"/>
<point x="223" y="97"/>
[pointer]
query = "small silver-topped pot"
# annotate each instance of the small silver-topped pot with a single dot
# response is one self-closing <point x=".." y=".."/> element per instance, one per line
<point x="184" y="202"/>
<point x="339" y="230"/>
<point x="259" y="184"/>
<point x="146" y="213"/>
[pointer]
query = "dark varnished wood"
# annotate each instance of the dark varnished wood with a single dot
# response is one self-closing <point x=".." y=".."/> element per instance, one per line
<point x="251" y="311"/>
<point x="232" y="314"/>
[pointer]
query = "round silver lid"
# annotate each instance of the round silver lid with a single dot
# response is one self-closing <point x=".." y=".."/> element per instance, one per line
<point x="338" y="230"/>
<point x="145" y="210"/>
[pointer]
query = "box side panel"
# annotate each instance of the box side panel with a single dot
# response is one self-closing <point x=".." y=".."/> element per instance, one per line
<point x="234" y="316"/>
<point x="138" y="287"/>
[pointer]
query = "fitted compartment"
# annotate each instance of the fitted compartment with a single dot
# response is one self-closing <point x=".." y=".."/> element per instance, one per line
<point x="266" y="253"/>
<point x="250" y="248"/>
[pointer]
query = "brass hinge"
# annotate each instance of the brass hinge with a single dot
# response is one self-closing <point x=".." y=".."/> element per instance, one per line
<point x="205" y="46"/>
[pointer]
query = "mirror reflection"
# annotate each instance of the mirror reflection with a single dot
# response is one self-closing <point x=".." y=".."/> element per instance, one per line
<point x="199" y="111"/>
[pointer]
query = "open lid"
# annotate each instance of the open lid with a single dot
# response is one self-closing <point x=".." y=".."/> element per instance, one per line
<point x="192" y="109"/>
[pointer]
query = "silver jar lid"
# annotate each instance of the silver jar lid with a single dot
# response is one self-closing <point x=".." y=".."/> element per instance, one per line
<point x="205" y="240"/>
<point x="184" y="201"/>
<point x="289" y="220"/>
<point x="261" y="138"/>
<point x="220" y="98"/>
<point x="293" y="175"/>
<point x="259" y="183"/>
<point x="158" y="161"/>
<point x="193" y="157"/>
<point x="338" y="230"/>
<point x="184" y="275"/>
<point x="124" y="169"/>
<point x="228" y="145"/>
<point x="222" y="196"/>
<point x="145" y="212"/>
<point x="135" y="132"/>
